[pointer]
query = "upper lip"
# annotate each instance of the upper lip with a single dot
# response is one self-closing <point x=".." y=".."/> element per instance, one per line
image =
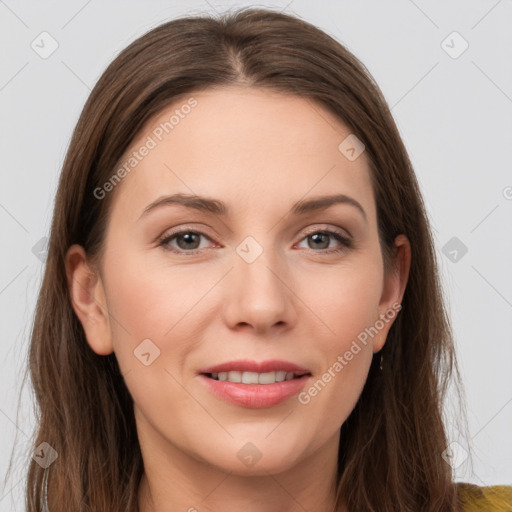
<point x="246" y="365"/>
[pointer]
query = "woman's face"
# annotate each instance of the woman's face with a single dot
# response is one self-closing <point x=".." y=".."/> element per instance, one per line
<point x="253" y="276"/>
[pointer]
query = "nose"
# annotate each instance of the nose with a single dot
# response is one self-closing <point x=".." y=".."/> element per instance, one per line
<point x="259" y="295"/>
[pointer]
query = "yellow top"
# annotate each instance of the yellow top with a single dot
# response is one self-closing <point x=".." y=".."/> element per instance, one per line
<point x="473" y="498"/>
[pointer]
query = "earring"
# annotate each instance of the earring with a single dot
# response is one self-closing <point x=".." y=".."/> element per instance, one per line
<point x="381" y="359"/>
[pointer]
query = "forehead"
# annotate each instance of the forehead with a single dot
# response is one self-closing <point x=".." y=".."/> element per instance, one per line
<point x="244" y="145"/>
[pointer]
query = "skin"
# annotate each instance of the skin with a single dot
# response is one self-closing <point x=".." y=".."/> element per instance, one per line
<point x="259" y="152"/>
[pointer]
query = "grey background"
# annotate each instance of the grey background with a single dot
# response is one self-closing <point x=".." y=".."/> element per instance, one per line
<point x="454" y="114"/>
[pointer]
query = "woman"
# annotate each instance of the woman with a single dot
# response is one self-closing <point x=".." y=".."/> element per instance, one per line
<point x="250" y="370"/>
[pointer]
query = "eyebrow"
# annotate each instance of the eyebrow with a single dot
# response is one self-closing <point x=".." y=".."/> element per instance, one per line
<point x="217" y="207"/>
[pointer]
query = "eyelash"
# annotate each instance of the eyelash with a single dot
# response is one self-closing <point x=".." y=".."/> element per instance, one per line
<point x="346" y="243"/>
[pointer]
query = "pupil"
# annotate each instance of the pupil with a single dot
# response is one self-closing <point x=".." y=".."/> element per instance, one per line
<point x="187" y="237"/>
<point x="315" y="239"/>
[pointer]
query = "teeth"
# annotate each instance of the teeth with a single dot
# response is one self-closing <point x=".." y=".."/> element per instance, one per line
<point x="280" y="376"/>
<point x="249" y="378"/>
<point x="267" y="378"/>
<point x="253" y="377"/>
<point x="233" y="376"/>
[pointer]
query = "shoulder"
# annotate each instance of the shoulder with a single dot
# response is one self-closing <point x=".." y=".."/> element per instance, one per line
<point x="473" y="498"/>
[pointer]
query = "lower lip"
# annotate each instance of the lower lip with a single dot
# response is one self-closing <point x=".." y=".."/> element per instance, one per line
<point x="256" y="396"/>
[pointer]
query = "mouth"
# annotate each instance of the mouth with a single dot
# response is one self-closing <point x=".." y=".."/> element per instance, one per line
<point x="255" y="390"/>
<point x="266" y="378"/>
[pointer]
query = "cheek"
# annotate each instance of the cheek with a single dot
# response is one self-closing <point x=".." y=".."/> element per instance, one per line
<point x="344" y="297"/>
<point x="332" y="395"/>
<point x="346" y="300"/>
<point x="140" y="304"/>
<point x="153" y="331"/>
<point x="334" y="390"/>
<point x="160" y="302"/>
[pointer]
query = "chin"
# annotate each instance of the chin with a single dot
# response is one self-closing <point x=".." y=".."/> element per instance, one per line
<point x="260" y="468"/>
<point x="259" y="457"/>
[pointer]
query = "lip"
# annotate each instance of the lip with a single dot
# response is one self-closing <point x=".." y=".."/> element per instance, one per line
<point x="255" y="396"/>
<point x="247" y="365"/>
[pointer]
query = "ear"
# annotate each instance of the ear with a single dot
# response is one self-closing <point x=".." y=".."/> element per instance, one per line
<point x="393" y="290"/>
<point x="88" y="300"/>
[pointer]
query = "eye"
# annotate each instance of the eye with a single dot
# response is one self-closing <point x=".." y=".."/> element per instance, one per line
<point x="186" y="240"/>
<point x="189" y="241"/>
<point x="320" y="240"/>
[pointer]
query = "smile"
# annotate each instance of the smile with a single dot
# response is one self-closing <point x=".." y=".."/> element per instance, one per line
<point x="252" y="395"/>
<point x="254" y="377"/>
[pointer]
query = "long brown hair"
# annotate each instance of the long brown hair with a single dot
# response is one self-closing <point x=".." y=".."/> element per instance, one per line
<point x="392" y="444"/>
